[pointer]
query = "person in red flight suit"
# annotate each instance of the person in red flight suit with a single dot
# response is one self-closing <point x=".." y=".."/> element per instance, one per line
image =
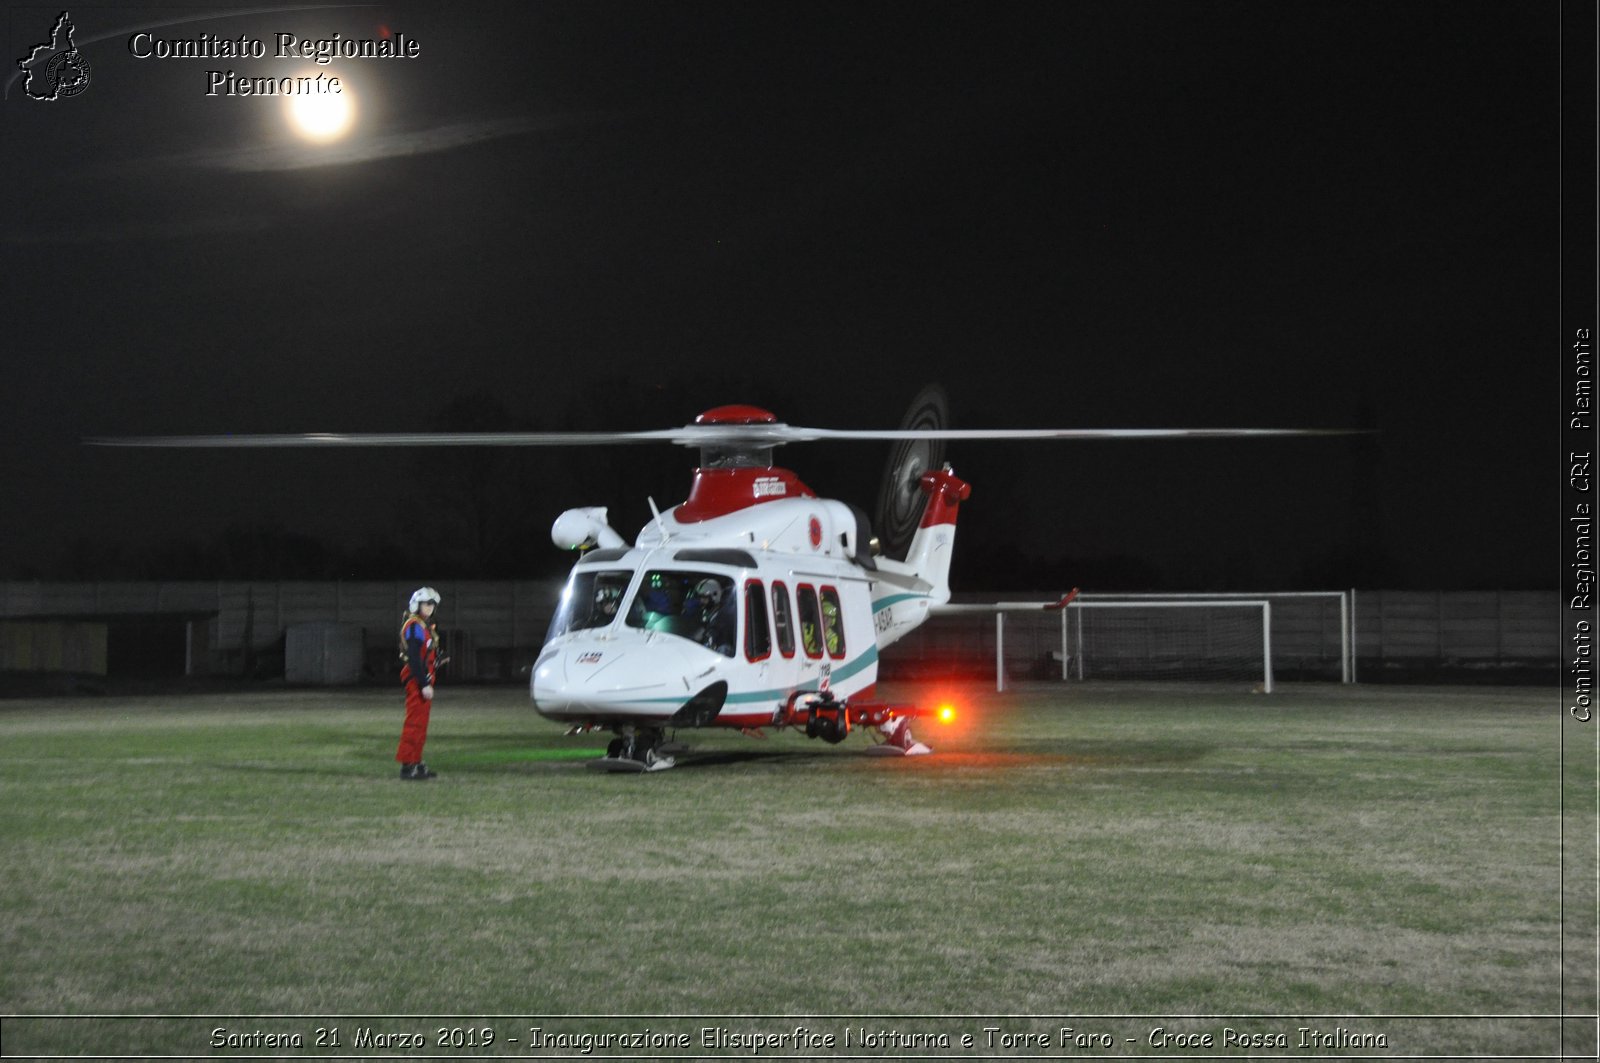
<point x="419" y="649"/>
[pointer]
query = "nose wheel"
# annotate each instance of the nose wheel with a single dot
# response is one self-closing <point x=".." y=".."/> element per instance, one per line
<point x="635" y="750"/>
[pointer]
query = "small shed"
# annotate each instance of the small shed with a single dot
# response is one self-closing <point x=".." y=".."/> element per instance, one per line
<point x="323" y="653"/>
<point x="154" y="645"/>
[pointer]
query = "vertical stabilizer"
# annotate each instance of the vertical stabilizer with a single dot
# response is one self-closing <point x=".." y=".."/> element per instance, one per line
<point x="934" y="541"/>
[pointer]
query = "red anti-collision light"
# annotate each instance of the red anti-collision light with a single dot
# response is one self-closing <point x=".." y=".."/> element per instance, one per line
<point x="737" y="415"/>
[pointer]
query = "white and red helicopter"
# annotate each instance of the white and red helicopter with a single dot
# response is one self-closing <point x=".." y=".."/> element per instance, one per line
<point x="755" y="603"/>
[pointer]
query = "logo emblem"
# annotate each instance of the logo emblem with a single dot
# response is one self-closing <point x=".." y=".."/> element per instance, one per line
<point x="816" y="533"/>
<point x="55" y="69"/>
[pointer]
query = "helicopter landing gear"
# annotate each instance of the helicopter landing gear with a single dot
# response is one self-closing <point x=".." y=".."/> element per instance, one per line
<point x="635" y="751"/>
<point x="826" y="717"/>
<point x="897" y="740"/>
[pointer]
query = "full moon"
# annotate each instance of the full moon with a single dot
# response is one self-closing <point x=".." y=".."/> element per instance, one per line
<point x="322" y="116"/>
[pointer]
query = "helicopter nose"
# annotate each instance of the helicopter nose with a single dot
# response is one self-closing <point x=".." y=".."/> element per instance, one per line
<point x="646" y="679"/>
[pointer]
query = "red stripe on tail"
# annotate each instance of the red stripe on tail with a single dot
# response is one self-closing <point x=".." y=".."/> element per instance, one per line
<point x="945" y="491"/>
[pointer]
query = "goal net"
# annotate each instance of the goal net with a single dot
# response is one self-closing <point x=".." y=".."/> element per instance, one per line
<point x="1191" y="641"/>
<point x="1258" y="638"/>
<point x="1312" y="636"/>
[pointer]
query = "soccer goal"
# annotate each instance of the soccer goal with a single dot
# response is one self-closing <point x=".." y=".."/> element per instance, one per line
<point x="1195" y="640"/>
<point x="1311" y="633"/>
<point x="1254" y="638"/>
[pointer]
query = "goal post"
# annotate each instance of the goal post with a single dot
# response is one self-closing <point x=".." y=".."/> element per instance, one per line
<point x="1000" y="609"/>
<point x="1313" y="631"/>
<point x="1172" y="638"/>
<point x="1241" y="637"/>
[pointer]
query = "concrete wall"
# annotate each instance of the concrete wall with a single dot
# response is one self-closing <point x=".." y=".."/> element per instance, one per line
<point x="53" y="646"/>
<point x="490" y="629"/>
<point x="1399" y="635"/>
<point x="493" y="629"/>
<point x="1417" y="632"/>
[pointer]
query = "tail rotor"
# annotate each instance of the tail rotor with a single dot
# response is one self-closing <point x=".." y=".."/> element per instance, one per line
<point x="900" y="500"/>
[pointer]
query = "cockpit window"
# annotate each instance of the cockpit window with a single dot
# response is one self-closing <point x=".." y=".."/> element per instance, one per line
<point x="590" y="600"/>
<point x="698" y="606"/>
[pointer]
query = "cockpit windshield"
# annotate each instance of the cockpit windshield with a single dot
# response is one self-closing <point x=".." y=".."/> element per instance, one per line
<point x="698" y="606"/>
<point x="590" y="600"/>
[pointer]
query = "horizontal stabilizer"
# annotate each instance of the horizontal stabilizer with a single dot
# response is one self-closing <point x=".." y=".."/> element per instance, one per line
<point x="900" y="578"/>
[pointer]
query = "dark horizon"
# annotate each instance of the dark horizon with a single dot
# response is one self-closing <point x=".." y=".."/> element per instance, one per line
<point x="617" y="215"/>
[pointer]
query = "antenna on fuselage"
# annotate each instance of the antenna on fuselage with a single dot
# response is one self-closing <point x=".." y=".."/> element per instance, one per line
<point x="660" y="525"/>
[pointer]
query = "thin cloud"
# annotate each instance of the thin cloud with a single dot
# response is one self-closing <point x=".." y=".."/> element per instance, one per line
<point x="362" y="149"/>
<point x="371" y="147"/>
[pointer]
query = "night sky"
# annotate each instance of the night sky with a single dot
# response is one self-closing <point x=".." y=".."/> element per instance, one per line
<point x="581" y="215"/>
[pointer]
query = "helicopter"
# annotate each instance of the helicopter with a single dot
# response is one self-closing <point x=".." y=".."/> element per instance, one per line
<point x="755" y="603"/>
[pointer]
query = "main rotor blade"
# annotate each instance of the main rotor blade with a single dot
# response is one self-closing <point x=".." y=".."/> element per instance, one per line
<point x="689" y="435"/>
<point x="398" y="439"/>
<point x="813" y="434"/>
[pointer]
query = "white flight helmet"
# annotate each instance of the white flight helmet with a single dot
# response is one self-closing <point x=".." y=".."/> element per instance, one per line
<point x="423" y="594"/>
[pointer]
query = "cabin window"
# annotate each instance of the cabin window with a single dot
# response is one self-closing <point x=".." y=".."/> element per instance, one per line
<point x="810" y="620"/>
<point x="757" y="636"/>
<point x="832" y="623"/>
<point x="781" y="620"/>
<point x="698" y="606"/>
<point x="589" y="600"/>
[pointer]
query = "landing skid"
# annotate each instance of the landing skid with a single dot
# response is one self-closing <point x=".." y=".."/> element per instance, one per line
<point x="897" y="740"/>
<point x="624" y="766"/>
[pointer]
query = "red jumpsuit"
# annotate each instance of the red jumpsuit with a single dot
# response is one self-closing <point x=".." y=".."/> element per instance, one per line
<point x="421" y="649"/>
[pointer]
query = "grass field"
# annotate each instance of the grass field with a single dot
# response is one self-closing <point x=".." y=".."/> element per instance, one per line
<point x="1084" y="850"/>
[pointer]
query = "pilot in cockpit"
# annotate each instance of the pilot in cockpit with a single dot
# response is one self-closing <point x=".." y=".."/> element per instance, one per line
<point x="714" y="613"/>
<point x="606" y="599"/>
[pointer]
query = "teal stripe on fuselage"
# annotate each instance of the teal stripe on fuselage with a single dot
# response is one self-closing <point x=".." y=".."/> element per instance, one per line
<point x="895" y="599"/>
<point x="848" y="670"/>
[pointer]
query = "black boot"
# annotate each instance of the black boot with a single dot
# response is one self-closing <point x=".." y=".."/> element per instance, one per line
<point x="425" y="772"/>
